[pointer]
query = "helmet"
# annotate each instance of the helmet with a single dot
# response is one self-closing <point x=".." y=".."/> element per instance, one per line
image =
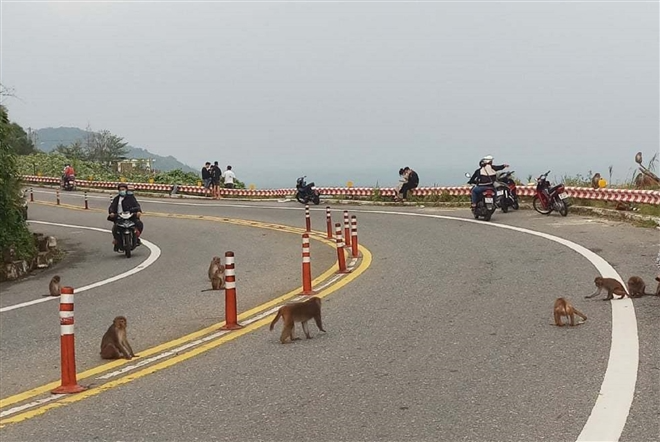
<point x="120" y="185"/>
<point x="487" y="159"/>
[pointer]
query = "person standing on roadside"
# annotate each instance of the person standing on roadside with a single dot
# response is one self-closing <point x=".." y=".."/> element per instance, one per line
<point x="229" y="178"/>
<point x="216" y="175"/>
<point x="206" y="178"/>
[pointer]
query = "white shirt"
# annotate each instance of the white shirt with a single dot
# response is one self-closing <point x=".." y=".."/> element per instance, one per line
<point x="229" y="176"/>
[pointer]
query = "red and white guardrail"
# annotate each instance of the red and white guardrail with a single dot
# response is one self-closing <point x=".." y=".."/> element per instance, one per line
<point x="617" y="195"/>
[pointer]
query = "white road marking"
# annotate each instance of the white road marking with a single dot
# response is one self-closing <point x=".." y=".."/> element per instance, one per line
<point x="153" y="256"/>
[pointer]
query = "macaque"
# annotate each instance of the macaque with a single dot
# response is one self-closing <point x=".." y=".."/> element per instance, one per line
<point x="595" y="180"/>
<point x="611" y="285"/>
<point x="217" y="282"/>
<point x="216" y="267"/>
<point x="564" y="308"/>
<point x="298" y="312"/>
<point x="114" y="343"/>
<point x="54" y="288"/>
<point x="637" y="287"/>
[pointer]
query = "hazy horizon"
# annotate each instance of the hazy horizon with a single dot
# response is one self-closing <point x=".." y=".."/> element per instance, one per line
<point x="346" y="91"/>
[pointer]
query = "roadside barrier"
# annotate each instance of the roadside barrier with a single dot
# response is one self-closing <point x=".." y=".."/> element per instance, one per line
<point x="347" y="229"/>
<point x="67" y="345"/>
<point x="328" y="222"/>
<point x="604" y="194"/>
<point x="354" y="238"/>
<point x="306" y="266"/>
<point x="57" y="196"/>
<point x="231" y="313"/>
<point x="341" y="257"/>
<point x="86" y="203"/>
<point x="308" y="220"/>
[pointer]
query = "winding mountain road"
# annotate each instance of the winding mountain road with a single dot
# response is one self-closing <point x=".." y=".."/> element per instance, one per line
<point x="442" y="332"/>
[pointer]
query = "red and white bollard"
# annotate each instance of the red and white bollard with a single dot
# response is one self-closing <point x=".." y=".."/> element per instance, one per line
<point x="231" y="314"/>
<point x="67" y="345"/>
<point x="354" y="239"/>
<point x="31" y="195"/>
<point x="341" y="258"/>
<point x="86" y="203"/>
<point x="306" y="266"/>
<point x="57" y="196"/>
<point x="328" y="222"/>
<point x="308" y="220"/>
<point x="347" y="229"/>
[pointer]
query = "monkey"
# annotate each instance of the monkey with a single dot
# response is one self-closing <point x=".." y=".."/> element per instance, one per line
<point x="595" y="180"/>
<point x="114" y="343"/>
<point x="637" y="287"/>
<point x="611" y="285"/>
<point x="54" y="288"/>
<point x="216" y="267"/>
<point x="217" y="282"/>
<point x="298" y="312"/>
<point x="564" y="308"/>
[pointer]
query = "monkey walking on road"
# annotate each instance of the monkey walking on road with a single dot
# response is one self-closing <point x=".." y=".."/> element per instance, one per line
<point x="298" y="312"/>
<point x="612" y="286"/>
<point x="564" y="308"/>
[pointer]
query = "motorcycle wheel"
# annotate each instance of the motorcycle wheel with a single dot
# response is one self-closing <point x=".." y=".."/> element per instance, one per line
<point x="316" y="200"/>
<point x="538" y="206"/>
<point x="563" y="209"/>
<point x="487" y="215"/>
<point x="515" y="205"/>
<point x="127" y="247"/>
<point x="301" y="199"/>
<point x="505" y="206"/>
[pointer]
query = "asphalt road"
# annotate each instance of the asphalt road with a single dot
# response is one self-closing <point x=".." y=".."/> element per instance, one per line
<point x="446" y="336"/>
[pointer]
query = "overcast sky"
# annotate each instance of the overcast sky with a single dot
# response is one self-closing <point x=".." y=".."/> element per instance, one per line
<point x="341" y="91"/>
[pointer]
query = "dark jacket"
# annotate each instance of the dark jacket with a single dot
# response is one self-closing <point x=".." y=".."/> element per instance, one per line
<point x="480" y="179"/>
<point x="206" y="174"/>
<point x="413" y="179"/>
<point x="129" y="204"/>
<point x="216" y="174"/>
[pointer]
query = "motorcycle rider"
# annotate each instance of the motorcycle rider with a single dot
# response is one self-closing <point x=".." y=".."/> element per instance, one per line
<point x="484" y="177"/>
<point x="68" y="173"/>
<point x="125" y="201"/>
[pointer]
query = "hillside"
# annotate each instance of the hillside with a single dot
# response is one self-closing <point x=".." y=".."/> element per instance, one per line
<point x="49" y="137"/>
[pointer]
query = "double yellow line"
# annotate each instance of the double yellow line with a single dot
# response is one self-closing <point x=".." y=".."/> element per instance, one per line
<point x="39" y="410"/>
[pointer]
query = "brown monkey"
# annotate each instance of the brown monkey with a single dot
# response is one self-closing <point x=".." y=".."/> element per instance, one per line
<point x="217" y="282"/>
<point x="594" y="181"/>
<point x="54" y="288"/>
<point x="114" y="343"/>
<point x="564" y="308"/>
<point x="637" y="287"/>
<point x="298" y="312"/>
<point x="611" y="285"/>
<point x="216" y="267"/>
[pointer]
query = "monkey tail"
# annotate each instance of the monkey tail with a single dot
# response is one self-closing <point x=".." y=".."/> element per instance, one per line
<point x="277" y="318"/>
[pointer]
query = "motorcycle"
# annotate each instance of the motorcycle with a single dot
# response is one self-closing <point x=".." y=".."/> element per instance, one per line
<point x="69" y="182"/>
<point x="127" y="233"/>
<point x="306" y="192"/>
<point x="485" y="203"/>
<point x="507" y="195"/>
<point x="549" y="198"/>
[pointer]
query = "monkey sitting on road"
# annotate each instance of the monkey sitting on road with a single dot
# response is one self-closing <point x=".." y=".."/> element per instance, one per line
<point x="216" y="275"/>
<point x="637" y="287"/>
<point x="298" y="312"/>
<point x="54" y="288"/>
<point x="114" y="343"/>
<point x="611" y="285"/>
<point x="564" y="308"/>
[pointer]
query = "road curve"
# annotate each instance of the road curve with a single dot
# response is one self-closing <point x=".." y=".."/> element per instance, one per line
<point x="446" y="337"/>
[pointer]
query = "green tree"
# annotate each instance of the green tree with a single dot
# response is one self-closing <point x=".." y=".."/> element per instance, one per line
<point x="105" y="148"/>
<point x="74" y="151"/>
<point x="18" y="140"/>
<point x="14" y="232"/>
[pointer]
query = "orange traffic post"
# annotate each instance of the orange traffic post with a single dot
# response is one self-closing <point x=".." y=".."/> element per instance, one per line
<point x="308" y="220"/>
<point x="86" y="203"/>
<point x="347" y="229"/>
<point x="57" y="196"/>
<point x="67" y="345"/>
<point x="328" y="222"/>
<point x="31" y="194"/>
<point x="341" y="258"/>
<point x="231" y="314"/>
<point x="354" y="239"/>
<point x="306" y="266"/>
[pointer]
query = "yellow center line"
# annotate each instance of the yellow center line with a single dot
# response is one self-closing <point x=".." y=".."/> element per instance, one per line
<point x="365" y="263"/>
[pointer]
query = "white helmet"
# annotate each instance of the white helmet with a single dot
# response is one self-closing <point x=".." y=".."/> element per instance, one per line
<point x="487" y="159"/>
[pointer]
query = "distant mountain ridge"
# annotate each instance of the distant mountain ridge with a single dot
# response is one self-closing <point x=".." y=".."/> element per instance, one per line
<point x="48" y="138"/>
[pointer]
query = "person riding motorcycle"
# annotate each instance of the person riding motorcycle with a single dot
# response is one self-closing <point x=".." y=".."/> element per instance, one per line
<point x="68" y="173"/>
<point x="484" y="177"/>
<point x="128" y="204"/>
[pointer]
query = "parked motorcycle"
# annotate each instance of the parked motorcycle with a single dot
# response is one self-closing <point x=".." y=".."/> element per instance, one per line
<point x="69" y="182"/>
<point x="306" y="192"/>
<point x="485" y="203"/>
<point x="507" y="195"/>
<point x="127" y="232"/>
<point x="549" y="198"/>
